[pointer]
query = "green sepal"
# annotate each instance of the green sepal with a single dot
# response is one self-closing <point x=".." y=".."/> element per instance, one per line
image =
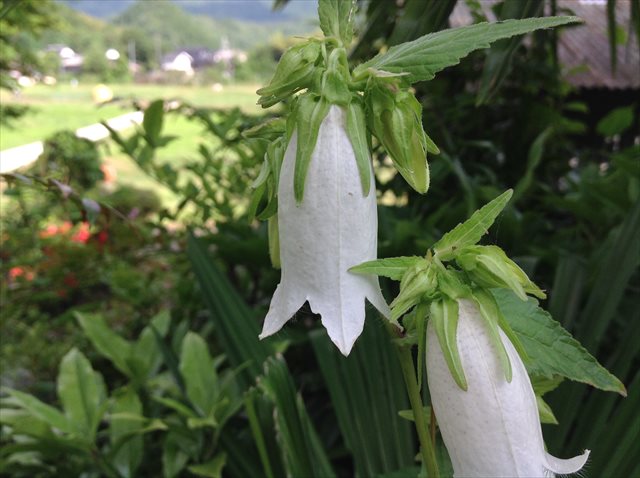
<point x="256" y="198"/>
<point x="490" y="313"/>
<point x="471" y="231"/>
<point x="334" y="88"/>
<point x="452" y="286"/>
<point x="357" y="133"/>
<point x="275" y="157"/>
<point x="418" y="282"/>
<point x="310" y="112"/>
<point x="421" y="313"/>
<point x="274" y="241"/>
<point x="394" y="267"/>
<point x="544" y="412"/>
<point x="265" y="170"/>
<point x="267" y="130"/>
<point x="335" y="80"/>
<point x="444" y="315"/>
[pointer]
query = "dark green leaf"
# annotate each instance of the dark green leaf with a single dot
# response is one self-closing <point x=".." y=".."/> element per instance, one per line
<point x="424" y="57"/>
<point x="617" y="121"/>
<point x="551" y="348"/>
<point x="152" y="122"/>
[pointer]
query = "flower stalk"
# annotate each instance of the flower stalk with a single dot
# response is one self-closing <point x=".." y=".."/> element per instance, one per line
<point x="427" y="449"/>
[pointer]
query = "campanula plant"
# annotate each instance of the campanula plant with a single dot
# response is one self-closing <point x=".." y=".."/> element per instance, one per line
<point x="317" y="190"/>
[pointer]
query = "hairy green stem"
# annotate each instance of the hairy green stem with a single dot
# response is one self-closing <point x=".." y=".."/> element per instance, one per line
<point x="409" y="373"/>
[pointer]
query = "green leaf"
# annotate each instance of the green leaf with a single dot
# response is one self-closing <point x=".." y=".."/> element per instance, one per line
<point x="82" y="393"/>
<point x="174" y="458"/>
<point x="366" y="395"/>
<point x="199" y="373"/>
<point x="550" y="347"/>
<point x="533" y="161"/>
<point x="146" y="355"/>
<point x="310" y="113"/>
<point x="212" y="468"/>
<point x="499" y="58"/>
<point x="424" y="57"/>
<point x="179" y="407"/>
<point x="108" y="344"/>
<point x="617" y="121"/>
<point x="471" y="231"/>
<point x="152" y="122"/>
<point x="336" y="19"/>
<point x="357" y="132"/>
<point x="444" y="319"/>
<point x="41" y="410"/>
<point x="303" y="451"/>
<point x="128" y="457"/>
<point x="234" y="321"/>
<point x="393" y="267"/>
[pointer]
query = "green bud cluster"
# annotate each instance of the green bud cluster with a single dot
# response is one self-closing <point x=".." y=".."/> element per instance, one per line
<point x="315" y="74"/>
<point x="456" y="268"/>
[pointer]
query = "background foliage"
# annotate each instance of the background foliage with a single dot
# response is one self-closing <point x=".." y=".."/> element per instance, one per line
<point x="152" y="309"/>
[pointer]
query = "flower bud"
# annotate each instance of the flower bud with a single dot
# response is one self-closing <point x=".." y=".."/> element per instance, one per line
<point x="489" y="267"/>
<point x="493" y="428"/>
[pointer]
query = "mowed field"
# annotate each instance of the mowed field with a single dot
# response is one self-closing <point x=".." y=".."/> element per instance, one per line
<point x="54" y="108"/>
<point x="63" y="107"/>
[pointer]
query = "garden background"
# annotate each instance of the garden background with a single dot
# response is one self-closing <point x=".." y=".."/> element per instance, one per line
<point x="134" y="280"/>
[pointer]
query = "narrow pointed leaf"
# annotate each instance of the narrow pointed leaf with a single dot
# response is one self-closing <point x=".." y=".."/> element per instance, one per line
<point x="470" y="231"/>
<point x="41" y="410"/>
<point x="336" y="19"/>
<point x="424" y="57"/>
<point x="393" y="268"/>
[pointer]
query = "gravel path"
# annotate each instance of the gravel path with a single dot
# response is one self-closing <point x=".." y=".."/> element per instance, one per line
<point x="14" y="158"/>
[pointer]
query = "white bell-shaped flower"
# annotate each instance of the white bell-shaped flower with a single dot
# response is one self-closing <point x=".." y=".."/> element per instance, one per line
<point x="334" y="228"/>
<point x="492" y="429"/>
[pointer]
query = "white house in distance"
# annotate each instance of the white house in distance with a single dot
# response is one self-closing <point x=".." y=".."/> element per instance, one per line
<point x="187" y="60"/>
<point x="70" y="60"/>
<point x="180" y="61"/>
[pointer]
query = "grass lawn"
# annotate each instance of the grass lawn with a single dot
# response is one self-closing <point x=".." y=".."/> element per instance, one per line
<point x="54" y="108"/>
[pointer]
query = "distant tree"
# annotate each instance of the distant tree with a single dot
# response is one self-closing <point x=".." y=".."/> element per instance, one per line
<point x="21" y="21"/>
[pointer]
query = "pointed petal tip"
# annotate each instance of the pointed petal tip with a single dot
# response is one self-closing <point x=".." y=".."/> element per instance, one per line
<point x="566" y="467"/>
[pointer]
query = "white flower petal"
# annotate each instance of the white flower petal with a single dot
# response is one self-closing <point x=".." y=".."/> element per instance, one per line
<point x="334" y="228"/>
<point x="493" y="429"/>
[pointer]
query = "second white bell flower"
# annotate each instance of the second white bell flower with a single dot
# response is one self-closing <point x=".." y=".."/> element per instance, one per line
<point x="493" y="428"/>
<point x="335" y="227"/>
